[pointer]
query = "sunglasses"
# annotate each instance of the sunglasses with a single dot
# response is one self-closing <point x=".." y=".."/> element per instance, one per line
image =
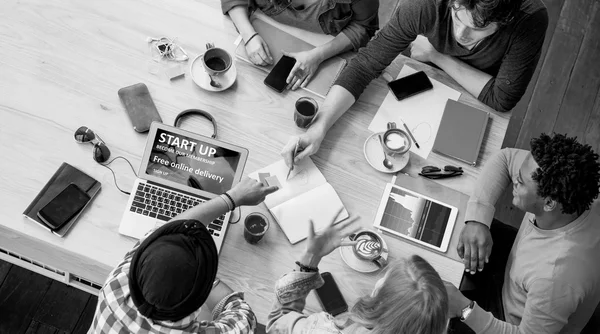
<point x="432" y="172"/>
<point x="85" y="135"/>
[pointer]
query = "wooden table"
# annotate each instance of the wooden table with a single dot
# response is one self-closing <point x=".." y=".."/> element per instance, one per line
<point x="61" y="64"/>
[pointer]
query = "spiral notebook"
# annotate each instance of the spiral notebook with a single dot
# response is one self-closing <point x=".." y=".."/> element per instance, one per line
<point x="278" y="40"/>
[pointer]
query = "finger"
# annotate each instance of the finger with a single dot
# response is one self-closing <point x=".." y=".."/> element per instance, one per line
<point x="292" y="84"/>
<point x="297" y="83"/>
<point x="348" y="243"/>
<point x="257" y="60"/>
<point x="270" y="190"/>
<point x="306" y="80"/>
<point x="467" y="257"/>
<point x="305" y="153"/>
<point x="474" y="259"/>
<point x="288" y="151"/>
<point x="311" y="229"/>
<point x="262" y="55"/>
<point x="460" y="249"/>
<point x="481" y="255"/>
<point x="267" y="52"/>
<point x="334" y="218"/>
<point x="488" y="253"/>
<point x="348" y="222"/>
<point x="292" y="73"/>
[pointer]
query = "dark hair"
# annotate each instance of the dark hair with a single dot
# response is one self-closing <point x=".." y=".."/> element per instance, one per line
<point x="569" y="172"/>
<point x="485" y="12"/>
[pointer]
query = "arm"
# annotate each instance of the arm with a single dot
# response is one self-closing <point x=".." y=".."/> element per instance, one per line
<point x="256" y="48"/>
<point x="240" y="18"/>
<point x="365" y="21"/>
<point x="232" y="315"/>
<point x="470" y="78"/>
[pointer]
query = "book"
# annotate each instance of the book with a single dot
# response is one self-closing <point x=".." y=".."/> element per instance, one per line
<point x="279" y="40"/>
<point x="305" y="195"/>
<point x="65" y="175"/>
<point x="461" y="132"/>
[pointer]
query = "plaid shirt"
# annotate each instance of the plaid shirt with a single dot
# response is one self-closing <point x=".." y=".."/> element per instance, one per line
<point x="116" y="313"/>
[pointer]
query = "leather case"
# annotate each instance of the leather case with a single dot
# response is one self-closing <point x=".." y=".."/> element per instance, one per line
<point x="139" y="106"/>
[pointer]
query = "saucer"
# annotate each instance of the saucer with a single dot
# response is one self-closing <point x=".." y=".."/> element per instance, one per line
<point x="361" y="265"/>
<point x="374" y="154"/>
<point x="202" y="79"/>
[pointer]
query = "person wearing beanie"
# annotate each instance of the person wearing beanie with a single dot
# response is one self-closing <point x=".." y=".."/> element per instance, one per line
<point x="171" y="272"/>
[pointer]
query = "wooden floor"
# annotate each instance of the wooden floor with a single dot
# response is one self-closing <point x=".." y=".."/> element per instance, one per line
<point x="563" y="97"/>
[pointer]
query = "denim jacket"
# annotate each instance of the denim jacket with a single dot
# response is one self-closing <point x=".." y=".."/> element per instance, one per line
<point x="357" y="19"/>
<point x="287" y="317"/>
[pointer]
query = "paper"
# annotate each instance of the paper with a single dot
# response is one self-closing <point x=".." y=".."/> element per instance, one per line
<point x="273" y="181"/>
<point x="422" y="113"/>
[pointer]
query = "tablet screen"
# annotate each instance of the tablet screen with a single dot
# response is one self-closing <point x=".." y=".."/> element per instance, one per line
<point x="415" y="217"/>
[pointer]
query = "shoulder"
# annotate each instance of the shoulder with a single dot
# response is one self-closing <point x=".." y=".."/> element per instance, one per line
<point x="421" y="13"/>
<point x="533" y="13"/>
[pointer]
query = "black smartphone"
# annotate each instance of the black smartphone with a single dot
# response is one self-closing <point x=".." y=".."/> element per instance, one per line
<point x="279" y="73"/>
<point x="139" y="106"/>
<point x="410" y="85"/>
<point x="330" y="296"/>
<point x="62" y="208"/>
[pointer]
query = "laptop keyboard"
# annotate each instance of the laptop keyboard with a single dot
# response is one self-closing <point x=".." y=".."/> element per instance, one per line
<point x="164" y="204"/>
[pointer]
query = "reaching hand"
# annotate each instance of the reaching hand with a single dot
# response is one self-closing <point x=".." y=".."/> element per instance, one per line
<point x="422" y="50"/>
<point x="330" y="237"/>
<point x="475" y="246"/>
<point x="308" y="145"/>
<point x="258" y="52"/>
<point x="307" y="63"/>
<point x="250" y="192"/>
<point x="456" y="300"/>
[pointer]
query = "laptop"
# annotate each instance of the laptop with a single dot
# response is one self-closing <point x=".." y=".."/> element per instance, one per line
<point x="179" y="170"/>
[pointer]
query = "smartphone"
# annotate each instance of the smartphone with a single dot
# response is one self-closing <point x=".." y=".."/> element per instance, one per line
<point x="330" y="296"/>
<point x="279" y="73"/>
<point x="62" y="208"/>
<point x="139" y="106"/>
<point x="410" y="85"/>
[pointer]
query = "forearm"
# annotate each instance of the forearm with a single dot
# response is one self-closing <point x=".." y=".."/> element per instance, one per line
<point x="470" y="78"/>
<point x="341" y="43"/>
<point x="217" y="294"/>
<point x="205" y="212"/>
<point x="239" y="16"/>
<point x="337" y="102"/>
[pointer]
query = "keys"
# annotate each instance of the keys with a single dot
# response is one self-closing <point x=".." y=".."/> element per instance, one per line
<point x="145" y="212"/>
<point x="140" y="187"/>
<point x="214" y="227"/>
<point x="163" y="217"/>
<point x="132" y="208"/>
<point x="138" y="204"/>
<point x="153" y="214"/>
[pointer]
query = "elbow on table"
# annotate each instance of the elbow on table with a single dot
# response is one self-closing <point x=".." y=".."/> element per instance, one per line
<point x="497" y="99"/>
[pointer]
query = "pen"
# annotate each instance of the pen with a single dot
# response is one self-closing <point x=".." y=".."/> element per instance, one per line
<point x="411" y="135"/>
<point x="293" y="156"/>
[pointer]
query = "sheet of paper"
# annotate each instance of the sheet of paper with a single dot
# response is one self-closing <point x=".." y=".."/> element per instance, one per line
<point x="422" y="113"/>
<point x="304" y="177"/>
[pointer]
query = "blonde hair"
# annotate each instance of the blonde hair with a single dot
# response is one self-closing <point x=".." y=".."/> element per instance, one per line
<point x="411" y="300"/>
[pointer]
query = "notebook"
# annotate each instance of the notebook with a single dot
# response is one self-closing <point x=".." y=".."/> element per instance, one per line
<point x="461" y="132"/>
<point x="65" y="175"/>
<point x="305" y="195"/>
<point x="278" y="40"/>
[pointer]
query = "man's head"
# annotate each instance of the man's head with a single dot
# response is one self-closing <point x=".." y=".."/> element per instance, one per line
<point x="474" y="20"/>
<point x="172" y="271"/>
<point x="560" y="176"/>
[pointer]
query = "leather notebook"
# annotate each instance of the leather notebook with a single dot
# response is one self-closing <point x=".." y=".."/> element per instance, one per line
<point x="278" y="40"/>
<point x="65" y="175"/>
<point x="461" y="132"/>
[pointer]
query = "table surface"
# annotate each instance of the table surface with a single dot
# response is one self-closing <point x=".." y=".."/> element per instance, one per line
<point x="62" y="63"/>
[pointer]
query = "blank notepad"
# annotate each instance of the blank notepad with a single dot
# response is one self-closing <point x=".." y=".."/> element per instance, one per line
<point x="461" y="132"/>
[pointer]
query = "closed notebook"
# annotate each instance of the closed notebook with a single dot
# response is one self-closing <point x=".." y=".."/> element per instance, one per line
<point x="65" y="175"/>
<point x="305" y="195"/>
<point x="461" y="132"/>
<point x="279" y="40"/>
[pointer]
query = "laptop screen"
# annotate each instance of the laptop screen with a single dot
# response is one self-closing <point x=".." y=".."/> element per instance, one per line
<point x="192" y="162"/>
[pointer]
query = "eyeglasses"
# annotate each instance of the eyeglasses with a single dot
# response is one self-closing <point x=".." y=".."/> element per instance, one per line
<point x="432" y="172"/>
<point x="85" y="135"/>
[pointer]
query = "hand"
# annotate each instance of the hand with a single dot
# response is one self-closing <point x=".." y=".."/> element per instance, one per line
<point x="330" y="237"/>
<point x="308" y="145"/>
<point x="422" y="50"/>
<point x="250" y="192"/>
<point x="475" y="246"/>
<point x="307" y="63"/>
<point x="258" y="51"/>
<point x="456" y="300"/>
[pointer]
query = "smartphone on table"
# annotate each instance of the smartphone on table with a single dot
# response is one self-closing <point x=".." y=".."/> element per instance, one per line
<point x="278" y="75"/>
<point x="410" y="85"/>
<point x="330" y="296"/>
<point x="139" y="106"/>
<point x="62" y="208"/>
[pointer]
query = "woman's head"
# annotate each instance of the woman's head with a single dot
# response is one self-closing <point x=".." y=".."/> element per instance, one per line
<point x="411" y="299"/>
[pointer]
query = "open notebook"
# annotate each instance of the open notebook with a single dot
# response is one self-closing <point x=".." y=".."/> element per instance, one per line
<point x="305" y="195"/>
<point x="278" y="40"/>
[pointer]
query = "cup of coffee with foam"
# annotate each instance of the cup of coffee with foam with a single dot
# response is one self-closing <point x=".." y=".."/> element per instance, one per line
<point x="305" y="112"/>
<point x="216" y="61"/>
<point x="369" y="247"/>
<point x="395" y="141"/>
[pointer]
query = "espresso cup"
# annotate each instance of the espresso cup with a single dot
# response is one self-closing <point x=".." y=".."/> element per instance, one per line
<point x="216" y="61"/>
<point x="369" y="247"/>
<point x="255" y="227"/>
<point x="305" y="112"/>
<point x="395" y="141"/>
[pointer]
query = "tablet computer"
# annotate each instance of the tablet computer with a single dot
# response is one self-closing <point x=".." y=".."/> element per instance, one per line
<point x="416" y="217"/>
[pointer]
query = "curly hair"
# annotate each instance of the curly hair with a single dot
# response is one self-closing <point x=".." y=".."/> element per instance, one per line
<point x="569" y="172"/>
<point x="485" y="12"/>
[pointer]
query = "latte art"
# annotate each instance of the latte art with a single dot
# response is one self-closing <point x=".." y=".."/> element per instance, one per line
<point x="368" y="248"/>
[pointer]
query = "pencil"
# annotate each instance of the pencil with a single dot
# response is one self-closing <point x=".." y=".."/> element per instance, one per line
<point x="411" y="135"/>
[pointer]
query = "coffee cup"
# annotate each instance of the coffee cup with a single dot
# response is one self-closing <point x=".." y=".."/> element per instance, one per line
<point x="395" y="141"/>
<point x="255" y="227"/>
<point x="369" y="246"/>
<point x="216" y="61"/>
<point x="305" y="112"/>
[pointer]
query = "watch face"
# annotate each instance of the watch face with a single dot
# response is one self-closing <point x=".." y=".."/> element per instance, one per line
<point x="467" y="311"/>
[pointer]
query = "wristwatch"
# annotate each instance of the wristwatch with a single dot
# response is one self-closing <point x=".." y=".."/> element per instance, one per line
<point x="466" y="312"/>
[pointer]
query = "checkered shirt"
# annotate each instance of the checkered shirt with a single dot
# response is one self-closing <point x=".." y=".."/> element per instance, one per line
<point x="116" y="313"/>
